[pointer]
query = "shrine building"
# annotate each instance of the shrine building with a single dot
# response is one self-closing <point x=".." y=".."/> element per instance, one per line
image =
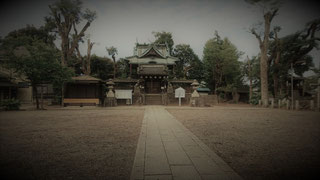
<point x="151" y="75"/>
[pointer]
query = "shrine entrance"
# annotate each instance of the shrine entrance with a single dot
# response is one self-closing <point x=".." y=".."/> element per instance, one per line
<point x="153" y="86"/>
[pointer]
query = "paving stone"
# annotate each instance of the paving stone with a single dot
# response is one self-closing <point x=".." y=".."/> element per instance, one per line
<point x="206" y="166"/>
<point x="178" y="158"/>
<point x="137" y="173"/>
<point x="158" y="177"/>
<point x="194" y="151"/>
<point x="185" y="173"/>
<point x="213" y="177"/>
<point x="168" y="150"/>
<point x="157" y="166"/>
<point x="172" y="146"/>
<point x="168" y="138"/>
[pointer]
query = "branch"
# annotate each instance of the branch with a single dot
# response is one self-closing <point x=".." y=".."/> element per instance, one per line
<point x="56" y="17"/>
<point x="256" y="35"/>
<point x="77" y="37"/>
<point x="273" y="14"/>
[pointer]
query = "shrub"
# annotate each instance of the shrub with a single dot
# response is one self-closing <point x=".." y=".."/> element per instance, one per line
<point x="10" y="104"/>
<point x="255" y="98"/>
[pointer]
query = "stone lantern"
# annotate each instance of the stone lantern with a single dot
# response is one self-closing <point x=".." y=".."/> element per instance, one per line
<point x="111" y="100"/>
<point x="195" y="97"/>
<point x="195" y="86"/>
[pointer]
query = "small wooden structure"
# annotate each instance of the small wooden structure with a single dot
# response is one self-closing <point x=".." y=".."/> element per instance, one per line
<point x="83" y="90"/>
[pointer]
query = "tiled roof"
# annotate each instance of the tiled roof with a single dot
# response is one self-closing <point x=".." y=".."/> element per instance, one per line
<point x="85" y="78"/>
<point x="166" y="61"/>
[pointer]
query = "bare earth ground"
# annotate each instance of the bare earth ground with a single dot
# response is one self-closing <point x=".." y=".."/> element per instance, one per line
<point x="258" y="143"/>
<point x="69" y="143"/>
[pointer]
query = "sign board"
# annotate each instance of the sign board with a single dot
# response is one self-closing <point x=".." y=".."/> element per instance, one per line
<point x="179" y="92"/>
<point x="123" y="94"/>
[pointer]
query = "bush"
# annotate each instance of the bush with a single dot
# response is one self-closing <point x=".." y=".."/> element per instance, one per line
<point x="10" y="104"/>
<point x="255" y="98"/>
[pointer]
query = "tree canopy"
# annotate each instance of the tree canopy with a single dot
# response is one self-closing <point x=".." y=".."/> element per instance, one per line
<point x="34" y="59"/>
<point x="189" y="66"/>
<point x="66" y="15"/>
<point x="164" y="38"/>
<point x="222" y="68"/>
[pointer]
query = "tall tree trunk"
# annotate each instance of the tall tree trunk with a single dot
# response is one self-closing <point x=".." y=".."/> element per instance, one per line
<point x="64" y="50"/>
<point x="41" y="97"/>
<point x="250" y="79"/>
<point x="264" y="61"/>
<point x="114" y="66"/>
<point x="264" y="58"/>
<point x="276" y="64"/>
<point x="275" y="76"/>
<point x="90" y="45"/>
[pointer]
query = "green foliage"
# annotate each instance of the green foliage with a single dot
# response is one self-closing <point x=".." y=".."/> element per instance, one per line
<point x="72" y="9"/>
<point x="294" y="49"/>
<point x="10" y="104"/>
<point x="101" y="67"/>
<point x="64" y="19"/>
<point x="189" y="66"/>
<point x="123" y="68"/>
<point x="255" y="70"/>
<point x="256" y="96"/>
<point x="222" y="68"/>
<point x="164" y="38"/>
<point x="34" y="59"/>
<point x="112" y="51"/>
<point x="41" y="34"/>
<point x="38" y="62"/>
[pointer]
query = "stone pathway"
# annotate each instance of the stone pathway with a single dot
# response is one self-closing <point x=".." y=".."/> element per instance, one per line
<point x="168" y="150"/>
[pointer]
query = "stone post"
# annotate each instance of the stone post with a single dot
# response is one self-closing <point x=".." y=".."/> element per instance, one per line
<point x="272" y="103"/>
<point x="279" y="103"/>
<point x="259" y="102"/>
<point x="195" y="95"/>
<point x="288" y="104"/>
<point x="266" y="103"/>
<point x="297" y="105"/>
<point x="312" y="105"/>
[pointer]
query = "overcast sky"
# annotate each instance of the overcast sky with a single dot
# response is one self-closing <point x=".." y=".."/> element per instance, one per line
<point x="121" y="23"/>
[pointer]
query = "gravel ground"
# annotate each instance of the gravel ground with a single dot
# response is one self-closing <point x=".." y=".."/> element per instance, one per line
<point x="259" y="143"/>
<point x="75" y="143"/>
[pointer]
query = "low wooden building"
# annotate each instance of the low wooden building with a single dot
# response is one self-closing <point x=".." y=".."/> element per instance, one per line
<point x="83" y="90"/>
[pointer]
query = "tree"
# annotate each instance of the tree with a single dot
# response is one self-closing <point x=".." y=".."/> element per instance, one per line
<point x="270" y="9"/>
<point x="123" y="68"/>
<point x="292" y="49"/>
<point x="112" y="51"/>
<point x="86" y="61"/>
<point x="247" y="70"/>
<point x="66" y="15"/>
<point x="189" y="66"/>
<point x="164" y="38"/>
<point x="222" y="68"/>
<point x="36" y="61"/>
<point x="101" y="67"/>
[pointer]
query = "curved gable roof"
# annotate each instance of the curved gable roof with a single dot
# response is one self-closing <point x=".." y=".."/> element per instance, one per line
<point x="152" y="51"/>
